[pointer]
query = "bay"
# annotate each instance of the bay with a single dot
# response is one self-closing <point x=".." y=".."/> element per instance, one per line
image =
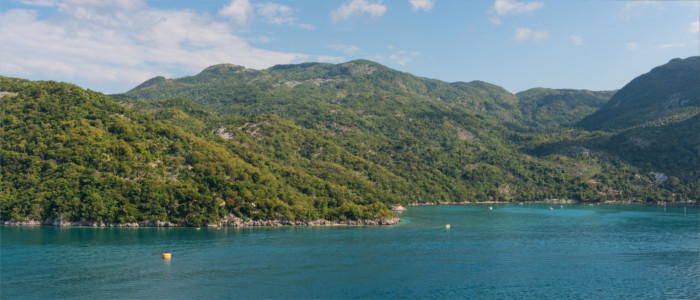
<point x="526" y="251"/>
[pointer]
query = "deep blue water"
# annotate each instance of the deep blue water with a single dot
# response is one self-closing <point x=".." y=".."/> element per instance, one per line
<point x="512" y="251"/>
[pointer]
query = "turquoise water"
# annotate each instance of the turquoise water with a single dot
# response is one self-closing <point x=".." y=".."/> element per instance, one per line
<point x="512" y="251"/>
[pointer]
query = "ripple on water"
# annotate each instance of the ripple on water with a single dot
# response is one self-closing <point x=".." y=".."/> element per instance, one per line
<point x="512" y="251"/>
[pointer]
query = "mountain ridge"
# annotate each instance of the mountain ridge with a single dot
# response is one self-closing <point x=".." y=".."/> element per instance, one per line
<point x="658" y="93"/>
<point x="320" y="141"/>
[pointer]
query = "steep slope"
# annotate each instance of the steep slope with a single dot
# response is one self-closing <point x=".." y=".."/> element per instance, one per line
<point x="446" y="142"/>
<point x="670" y="146"/>
<point x="316" y="88"/>
<point x="665" y="90"/>
<point x="490" y="100"/>
<point x="75" y="155"/>
<point x="547" y="108"/>
<point x="309" y="141"/>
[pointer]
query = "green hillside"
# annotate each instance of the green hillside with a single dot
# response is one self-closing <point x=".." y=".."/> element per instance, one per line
<point x="670" y="146"/>
<point x="453" y="141"/>
<point x="80" y="156"/>
<point x="320" y="141"/>
<point x="307" y="90"/>
<point x="548" y="108"/>
<point x="665" y="90"/>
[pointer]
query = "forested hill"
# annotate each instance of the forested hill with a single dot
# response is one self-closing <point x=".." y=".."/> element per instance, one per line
<point x="318" y="141"/>
<point x="546" y="108"/>
<point x="77" y="155"/>
<point x="440" y="135"/>
<point x="665" y="91"/>
<point x="305" y="91"/>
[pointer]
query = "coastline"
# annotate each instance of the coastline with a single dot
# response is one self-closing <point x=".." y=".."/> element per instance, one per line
<point x="458" y="203"/>
<point x="689" y="203"/>
<point x="232" y="221"/>
<point x="227" y="222"/>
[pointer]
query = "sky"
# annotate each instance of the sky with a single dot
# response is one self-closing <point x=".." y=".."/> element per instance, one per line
<point x="112" y="46"/>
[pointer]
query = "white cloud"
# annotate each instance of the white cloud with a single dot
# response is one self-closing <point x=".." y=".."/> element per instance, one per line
<point x="510" y="7"/>
<point x="87" y="42"/>
<point x="347" y="49"/>
<point x="527" y="34"/>
<point x="239" y="11"/>
<point x="694" y="27"/>
<point x="638" y="8"/>
<point x="274" y="13"/>
<point x="398" y="57"/>
<point x="356" y="7"/>
<point x="402" y="57"/>
<point x="632" y="46"/>
<point x="577" y="39"/>
<point x="242" y="12"/>
<point x="425" y="5"/>
<point x="306" y="26"/>
<point x="46" y="3"/>
<point x="676" y="45"/>
<point x="263" y="39"/>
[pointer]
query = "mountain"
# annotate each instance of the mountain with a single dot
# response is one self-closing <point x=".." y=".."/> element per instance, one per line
<point x="449" y="141"/>
<point x="317" y="88"/>
<point x="80" y="156"/>
<point x="664" y="91"/>
<point x="313" y="141"/>
<point x="668" y="146"/>
<point x="547" y="108"/>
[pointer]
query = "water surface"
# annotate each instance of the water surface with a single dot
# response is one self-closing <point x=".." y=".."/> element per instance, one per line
<point x="512" y="251"/>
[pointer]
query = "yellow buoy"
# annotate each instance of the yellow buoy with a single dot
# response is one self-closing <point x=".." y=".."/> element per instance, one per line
<point x="166" y="255"/>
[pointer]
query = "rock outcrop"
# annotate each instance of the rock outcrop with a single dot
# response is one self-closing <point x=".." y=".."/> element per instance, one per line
<point x="229" y="221"/>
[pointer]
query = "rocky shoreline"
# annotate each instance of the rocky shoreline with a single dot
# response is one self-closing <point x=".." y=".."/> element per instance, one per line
<point x="227" y="222"/>
<point x="690" y="203"/>
<point x="455" y="203"/>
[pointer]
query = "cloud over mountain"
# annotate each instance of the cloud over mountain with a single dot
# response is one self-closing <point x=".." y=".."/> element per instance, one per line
<point x="357" y="7"/>
<point x="117" y="42"/>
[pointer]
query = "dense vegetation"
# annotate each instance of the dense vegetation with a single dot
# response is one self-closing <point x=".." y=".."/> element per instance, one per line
<point x="553" y="108"/>
<point x="80" y="156"/>
<point x="664" y="91"/>
<point x="310" y="141"/>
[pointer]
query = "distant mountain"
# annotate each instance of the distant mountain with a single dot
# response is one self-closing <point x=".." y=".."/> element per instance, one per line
<point x="326" y="87"/>
<point x="490" y="100"/>
<point x="298" y="143"/>
<point x="452" y="140"/>
<point x="413" y="127"/>
<point x="662" y="92"/>
<point x="547" y="108"/>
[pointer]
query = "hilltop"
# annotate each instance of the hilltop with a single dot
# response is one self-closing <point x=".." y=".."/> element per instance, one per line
<point x="666" y="90"/>
<point x="340" y="142"/>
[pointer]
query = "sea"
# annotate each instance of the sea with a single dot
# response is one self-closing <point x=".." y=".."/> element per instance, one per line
<point x="491" y="251"/>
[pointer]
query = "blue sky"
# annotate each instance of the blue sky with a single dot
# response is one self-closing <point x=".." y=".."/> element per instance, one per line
<point x="111" y="46"/>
